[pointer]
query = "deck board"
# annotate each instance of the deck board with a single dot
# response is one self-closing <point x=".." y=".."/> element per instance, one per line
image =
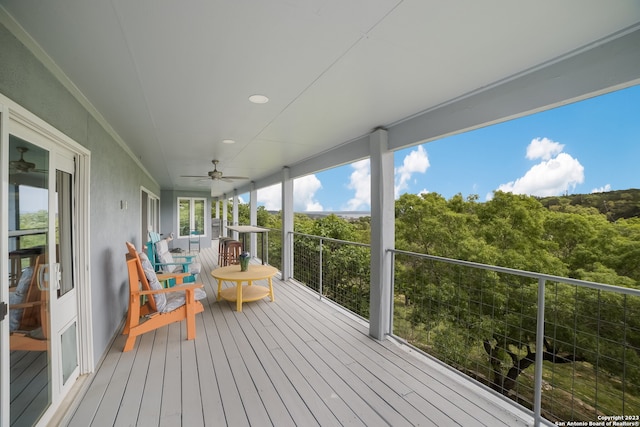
<point x="150" y="403"/>
<point x="295" y="361"/>
<point x="132" y="397"/>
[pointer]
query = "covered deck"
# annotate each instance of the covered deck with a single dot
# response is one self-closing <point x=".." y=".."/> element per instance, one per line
<point x="296" y="361"/>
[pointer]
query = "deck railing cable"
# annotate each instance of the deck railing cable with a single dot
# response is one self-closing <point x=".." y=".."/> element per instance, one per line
<point x="565" y="349"/>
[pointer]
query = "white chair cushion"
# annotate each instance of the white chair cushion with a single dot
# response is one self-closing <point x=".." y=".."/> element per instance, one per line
<point x="160" y="299"/>
<point x="17" y="297"/>
<point x="195" y="268"/>
<point x="178" y="299"/>
<point x="165" y="257"/>
<point x="169" y="301"/>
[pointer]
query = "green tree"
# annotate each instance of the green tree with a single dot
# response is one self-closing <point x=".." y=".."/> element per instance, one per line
<point x="496" y="311"/>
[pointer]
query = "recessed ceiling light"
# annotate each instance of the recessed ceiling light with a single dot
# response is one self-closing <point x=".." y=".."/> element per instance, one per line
<point x="258" y="99"/>
<point x="228" y="141"/>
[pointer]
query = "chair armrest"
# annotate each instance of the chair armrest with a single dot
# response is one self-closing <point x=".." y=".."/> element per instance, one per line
<point x="25" y="305"/>
<point x="178" y="278"/>
<point x="166" y="276"/>
<point x="185" y="287"/>
<point x="189" y="258"/>
<point x="160" y="264"/>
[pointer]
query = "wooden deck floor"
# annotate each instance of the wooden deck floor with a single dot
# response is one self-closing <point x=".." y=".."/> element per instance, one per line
<point x="296" y="361"/>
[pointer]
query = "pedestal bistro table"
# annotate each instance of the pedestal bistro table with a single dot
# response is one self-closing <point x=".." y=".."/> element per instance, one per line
<point x="244" y="293"/>
<point x="245" y="229"/>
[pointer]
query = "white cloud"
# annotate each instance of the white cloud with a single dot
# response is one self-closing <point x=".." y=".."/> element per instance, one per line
<point x="304" y="192"/>
<point x="602" y="189"/>
<point x="548" y="178"/>
<point x="543" y="148"/>
<point x="360" y="182"/>
<point x="271" y="197"/>
<point x="416" y="161"/>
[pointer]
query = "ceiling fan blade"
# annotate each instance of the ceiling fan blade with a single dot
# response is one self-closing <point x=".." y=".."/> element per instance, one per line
<point x="235" y="177"/>
<point x="215" y="175"/>
<point x="14" y="169"/>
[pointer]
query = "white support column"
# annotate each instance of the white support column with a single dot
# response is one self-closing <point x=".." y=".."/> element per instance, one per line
<point x="4" y="269"/>
<point x="225" y="214"/>
<point x="235" y="213"/>
<point x="382" y="233"/>
<point x="253" y="218"/>
<point x="287" y="224"/>
<point x="215" y="210"/>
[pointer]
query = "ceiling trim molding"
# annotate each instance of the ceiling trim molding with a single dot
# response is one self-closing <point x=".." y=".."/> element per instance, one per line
<point x="21" y="34"/>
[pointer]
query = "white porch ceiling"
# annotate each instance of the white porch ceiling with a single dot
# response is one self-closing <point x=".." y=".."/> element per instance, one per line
<point x="173" y="78"/>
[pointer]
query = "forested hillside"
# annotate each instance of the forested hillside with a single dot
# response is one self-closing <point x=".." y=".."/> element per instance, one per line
<point x="517" y="231"/>
<point x="613" y="204"/>
<point x="572" y="236"/>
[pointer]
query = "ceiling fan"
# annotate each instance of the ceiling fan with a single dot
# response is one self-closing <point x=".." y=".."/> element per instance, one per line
<point x="215" y="174"/>
<point x="23" y="166"/>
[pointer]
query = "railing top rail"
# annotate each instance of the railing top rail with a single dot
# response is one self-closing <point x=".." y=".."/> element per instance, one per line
<point x="330" y="239"/>
<point x="538" y="276"/>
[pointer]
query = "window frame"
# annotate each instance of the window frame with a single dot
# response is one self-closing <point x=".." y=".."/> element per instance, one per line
<point x="193" y="202"/>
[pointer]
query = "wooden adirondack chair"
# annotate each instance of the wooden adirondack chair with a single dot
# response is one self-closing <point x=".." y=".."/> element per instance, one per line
<point x="162" y="306"/>
<point x="164" y="261"/>
<point x="30" y="311"/>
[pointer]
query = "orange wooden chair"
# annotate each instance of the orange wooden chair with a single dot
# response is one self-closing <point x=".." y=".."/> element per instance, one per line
<point x="163" y="305"/>
<point x="28" y="312"/>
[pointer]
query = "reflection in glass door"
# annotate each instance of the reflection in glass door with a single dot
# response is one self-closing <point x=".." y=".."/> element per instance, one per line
<point x="29" y="282"/>
<point x="64" y="311"/>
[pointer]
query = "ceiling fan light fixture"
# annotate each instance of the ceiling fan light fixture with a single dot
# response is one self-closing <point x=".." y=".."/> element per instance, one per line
<point x="22" y="166"/>
<point x="215" y="174"/>
<point x="258" y="99"/>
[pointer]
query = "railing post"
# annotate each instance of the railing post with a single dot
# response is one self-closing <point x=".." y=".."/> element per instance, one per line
<point x="537" y="397"/>
<point x="320" y="272"/>
<point x="392" y="270"/>
<point x="287" y="225"/>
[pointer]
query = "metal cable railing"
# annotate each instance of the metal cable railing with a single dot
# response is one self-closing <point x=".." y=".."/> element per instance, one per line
<point x="566" y="349"/>
<point x="336" y="269"/>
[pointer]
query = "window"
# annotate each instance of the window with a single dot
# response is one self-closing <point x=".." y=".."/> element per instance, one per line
<point x="190" y="216"/>
<point x="150" y="213"/>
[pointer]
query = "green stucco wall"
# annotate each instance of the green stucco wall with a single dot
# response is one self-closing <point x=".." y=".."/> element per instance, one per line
<point x="115" y="177"/>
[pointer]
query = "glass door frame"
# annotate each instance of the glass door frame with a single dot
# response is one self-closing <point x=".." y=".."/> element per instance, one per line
<point x="150" y="213"/>
<point x="20" y="122"/>
<point x="4" y="265"/>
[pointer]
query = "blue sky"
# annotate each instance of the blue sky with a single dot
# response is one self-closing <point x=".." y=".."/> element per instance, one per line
<point x="585" y="147"/>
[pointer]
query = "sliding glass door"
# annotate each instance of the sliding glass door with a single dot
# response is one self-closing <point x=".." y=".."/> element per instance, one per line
<point x="41" y="354"/>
